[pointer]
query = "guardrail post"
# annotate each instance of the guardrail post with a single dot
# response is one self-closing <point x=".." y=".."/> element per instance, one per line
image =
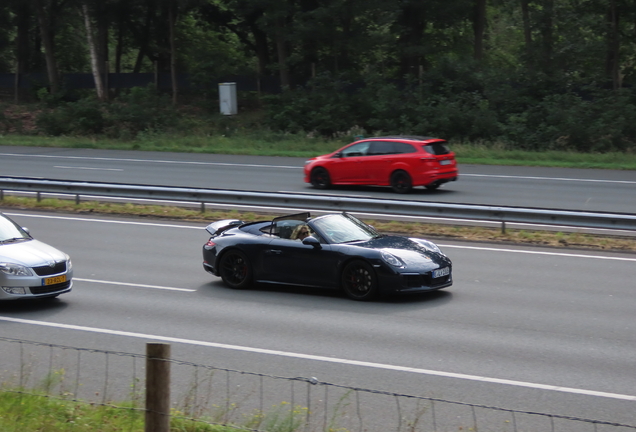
<point x="39" y="196"/>
<point x="503" y="227"/>
<point x="157" y="387"/>
<point x="202" y="207"/>
<point x="1" y="195"/>
<point x="77" y="199"/>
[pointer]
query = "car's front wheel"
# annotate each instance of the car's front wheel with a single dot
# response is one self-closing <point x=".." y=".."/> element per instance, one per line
<point x="235" y="269"/>
<point x="401" y="182"/>
<point x="320" y="178"/>
<point x="358" y="280"/>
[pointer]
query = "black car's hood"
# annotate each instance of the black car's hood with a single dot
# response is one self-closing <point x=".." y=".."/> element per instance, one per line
<point x="409" y="250"/>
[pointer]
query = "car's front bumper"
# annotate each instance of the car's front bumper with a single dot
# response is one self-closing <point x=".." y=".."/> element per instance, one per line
<point x="32" y="287"/>
<point x="412" y="282"/>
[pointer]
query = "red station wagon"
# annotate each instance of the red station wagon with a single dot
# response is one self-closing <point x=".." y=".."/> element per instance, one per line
<point x="401" y="162"/>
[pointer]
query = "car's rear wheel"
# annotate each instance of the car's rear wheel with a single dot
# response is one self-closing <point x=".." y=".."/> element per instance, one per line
<point x="358" y="280"/>
<point x="235" y="269"/>
<point x="401" y="182"/>
<point x="320" y="178"/>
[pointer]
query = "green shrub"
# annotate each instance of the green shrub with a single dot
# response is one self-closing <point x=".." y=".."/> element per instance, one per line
<point x="141" y="109"/>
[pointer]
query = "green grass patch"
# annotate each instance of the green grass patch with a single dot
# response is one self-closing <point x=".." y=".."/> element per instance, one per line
<point x="22" y="411"/>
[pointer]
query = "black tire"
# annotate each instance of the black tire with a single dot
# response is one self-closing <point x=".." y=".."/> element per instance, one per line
<point x="235" y="270"/>
<point x="320" y="178"/>
<point x="401" y="182"/>
<point x="358" y="280"/>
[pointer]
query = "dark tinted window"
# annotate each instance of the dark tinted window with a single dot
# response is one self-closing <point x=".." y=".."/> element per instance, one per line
<point x="401" y="147"/>
<point x="438" y="148"/>
<point x="382" y="148"/>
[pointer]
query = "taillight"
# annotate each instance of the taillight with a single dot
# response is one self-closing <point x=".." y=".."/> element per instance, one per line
<point x="210" y="243"/>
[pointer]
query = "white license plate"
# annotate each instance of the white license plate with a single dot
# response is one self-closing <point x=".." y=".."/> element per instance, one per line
<point x="54" y="280"/>
<point x="441" y="272"/>
<point x="445" y="162"/>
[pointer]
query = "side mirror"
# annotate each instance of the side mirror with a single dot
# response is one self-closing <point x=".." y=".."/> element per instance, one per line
<point x="312" y="241"/>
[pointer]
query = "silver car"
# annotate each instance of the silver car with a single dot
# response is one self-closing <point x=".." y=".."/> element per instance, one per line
<point x="29" y="268"/>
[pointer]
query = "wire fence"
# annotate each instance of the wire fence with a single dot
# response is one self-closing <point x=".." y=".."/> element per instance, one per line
<point x="204" y="394"/>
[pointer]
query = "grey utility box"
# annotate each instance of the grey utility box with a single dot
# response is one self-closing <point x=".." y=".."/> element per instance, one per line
<point x="227" y="98"/>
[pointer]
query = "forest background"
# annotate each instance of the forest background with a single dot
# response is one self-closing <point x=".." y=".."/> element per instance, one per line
<point x="540" y="75"/>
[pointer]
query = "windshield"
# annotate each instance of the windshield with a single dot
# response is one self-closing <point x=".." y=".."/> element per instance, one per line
<point x="10" y="232"/>
<point x="343" y="228"/>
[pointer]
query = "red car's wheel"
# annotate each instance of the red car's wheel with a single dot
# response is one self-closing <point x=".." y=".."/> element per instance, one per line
<point x="320" y="178"/>
<point x="401" y="182"/>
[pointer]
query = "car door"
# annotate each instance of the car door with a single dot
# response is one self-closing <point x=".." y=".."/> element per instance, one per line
<point x="349" y="166"/>
<point x="381" y="156"/>
<point x="292" y="262"/>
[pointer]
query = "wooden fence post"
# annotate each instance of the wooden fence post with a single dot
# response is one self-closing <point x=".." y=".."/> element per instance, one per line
<point x="157" y="387"/>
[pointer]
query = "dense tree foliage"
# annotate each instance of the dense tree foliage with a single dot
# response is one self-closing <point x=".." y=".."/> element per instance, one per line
<point x="539" y="74"/>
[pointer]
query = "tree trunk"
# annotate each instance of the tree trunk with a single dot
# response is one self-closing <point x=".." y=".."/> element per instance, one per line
<point x="49" y="45"/>
<point x="479" y="29"/>
<point x="22" y="38"/>
<point x="173" y="51"/>
<point x="527" y="34"/>
<point x="97" y="76"/>
<point x="613" y="45"/>
<point x="281" y="49"/>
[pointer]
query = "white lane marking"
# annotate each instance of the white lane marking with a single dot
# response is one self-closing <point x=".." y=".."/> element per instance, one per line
<point x="87" y="168"/>
<point x="134" y="285"/>
<point x="548" y="178"/>
<point x="327" y="359"/>
<point x="479" y="248"/>
<point x="158" y="161"/>
<point x="106" y="221"/>
<point x="569" y="255"/>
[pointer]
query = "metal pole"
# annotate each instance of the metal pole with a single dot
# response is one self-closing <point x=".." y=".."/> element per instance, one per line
<point x="157" y="387"/>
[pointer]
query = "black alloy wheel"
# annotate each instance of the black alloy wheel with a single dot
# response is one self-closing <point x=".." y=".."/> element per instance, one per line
<point x="358" y="281"/>
<point x="235" y="269"/>
<point x="320" y="178"/>
<point x="401" y="182"/>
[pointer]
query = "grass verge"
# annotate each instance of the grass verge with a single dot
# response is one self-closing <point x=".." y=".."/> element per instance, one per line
<point x="430" y="231"/>
<point x="32" y="412"/>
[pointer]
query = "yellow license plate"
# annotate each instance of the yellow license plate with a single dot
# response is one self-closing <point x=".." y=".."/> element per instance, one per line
<point x="54" y="280"/>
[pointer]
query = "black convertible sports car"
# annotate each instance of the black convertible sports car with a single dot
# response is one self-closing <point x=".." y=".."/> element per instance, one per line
<point x="335" y="251"/>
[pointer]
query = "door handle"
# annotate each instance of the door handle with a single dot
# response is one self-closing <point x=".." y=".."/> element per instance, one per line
<point x="273" y="252"/>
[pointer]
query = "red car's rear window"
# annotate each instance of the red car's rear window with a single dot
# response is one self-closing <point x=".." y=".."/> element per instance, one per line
<point x="437" y="148"/>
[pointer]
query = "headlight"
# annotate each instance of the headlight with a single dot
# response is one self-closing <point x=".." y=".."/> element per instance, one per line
<point x="15" y="269"/>
<point x="428" y="245"/>
<point x="391" y="259"/>
<point x="69" y="265"/>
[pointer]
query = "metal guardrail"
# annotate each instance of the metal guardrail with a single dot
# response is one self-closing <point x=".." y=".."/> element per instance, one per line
<point x="581" y="219"/>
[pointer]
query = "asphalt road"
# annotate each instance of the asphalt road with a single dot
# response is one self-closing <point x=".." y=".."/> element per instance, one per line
<point x="557" y="326"/>
<point x="553" y="188"/>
